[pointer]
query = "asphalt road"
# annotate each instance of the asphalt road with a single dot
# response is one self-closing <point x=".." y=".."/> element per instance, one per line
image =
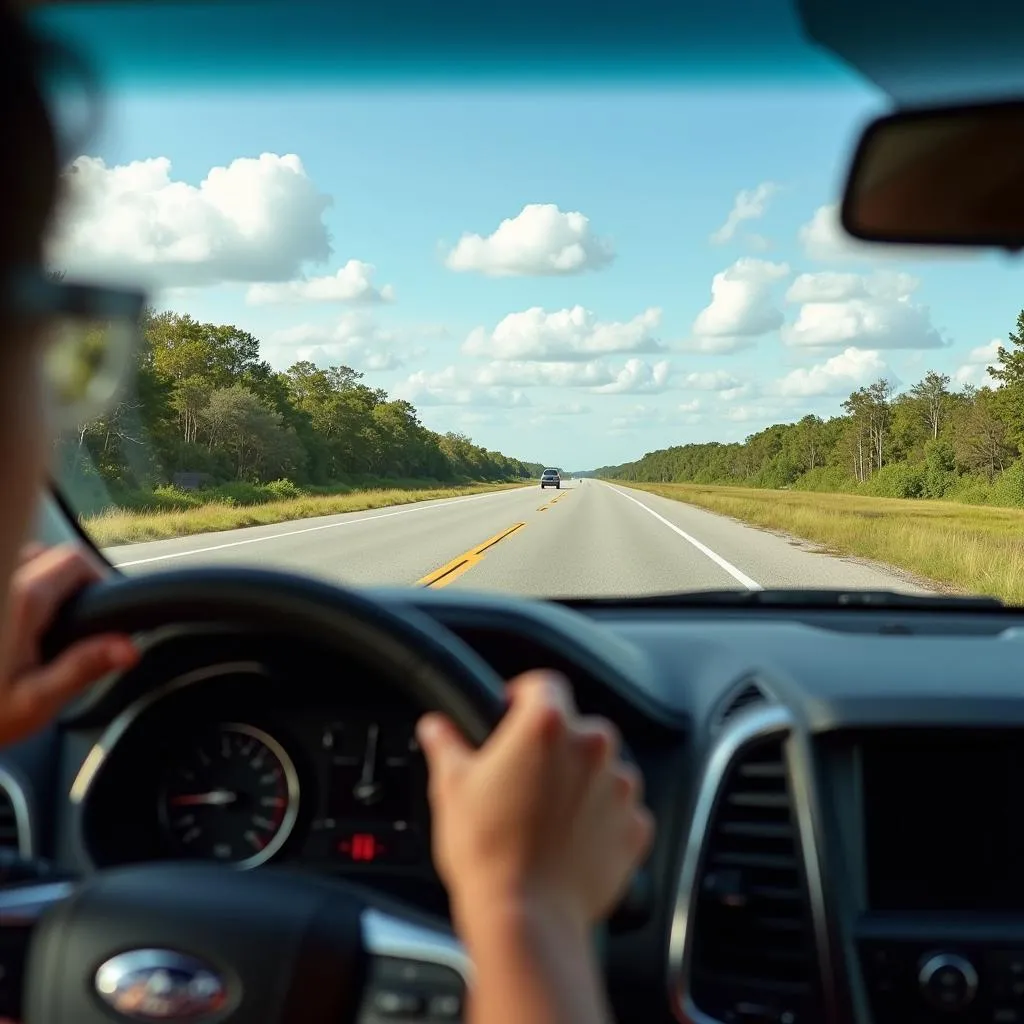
<point x="587" y="539"/>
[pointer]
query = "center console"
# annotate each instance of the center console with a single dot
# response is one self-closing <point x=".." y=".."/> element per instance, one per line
<point x="939" y="930"/>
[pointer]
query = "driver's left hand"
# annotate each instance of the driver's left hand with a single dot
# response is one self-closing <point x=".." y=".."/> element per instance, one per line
<point x="32" y="693"/>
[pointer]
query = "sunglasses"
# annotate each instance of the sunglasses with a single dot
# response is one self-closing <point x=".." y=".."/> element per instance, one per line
<point x="92" y="335"/>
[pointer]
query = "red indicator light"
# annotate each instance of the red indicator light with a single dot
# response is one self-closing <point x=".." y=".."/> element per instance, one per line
<point x="363" y="847"/>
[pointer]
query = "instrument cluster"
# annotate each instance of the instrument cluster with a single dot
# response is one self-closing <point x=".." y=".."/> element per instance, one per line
<point x="245" y="772"/>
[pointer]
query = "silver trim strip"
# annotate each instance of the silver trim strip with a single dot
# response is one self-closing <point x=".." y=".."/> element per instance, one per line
<point x="22" y="905"/>
<point x="292" y="788"/>
<point x="756" y="724"/>
<point x="101" y="750"/>
<point x="23" y="822"/>
<point x="387" y="935"/>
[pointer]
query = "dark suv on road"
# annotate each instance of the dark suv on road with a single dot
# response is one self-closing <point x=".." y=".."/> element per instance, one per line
<point x="551" y="478"/>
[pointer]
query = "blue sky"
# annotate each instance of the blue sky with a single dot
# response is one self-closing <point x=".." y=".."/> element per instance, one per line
<point x="802" y="318"/>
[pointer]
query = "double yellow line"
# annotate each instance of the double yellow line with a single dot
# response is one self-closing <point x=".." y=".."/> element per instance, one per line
<point x="450" y="572"/>
<point x="457" y="566"/>
<point x="547" y="505"/>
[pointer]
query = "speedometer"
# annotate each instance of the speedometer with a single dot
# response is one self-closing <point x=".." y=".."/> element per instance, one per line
<point x="232" y="796"/>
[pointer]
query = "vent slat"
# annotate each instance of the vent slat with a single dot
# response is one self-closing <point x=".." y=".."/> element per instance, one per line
<point x="752" y="934"/>
<point x="745" y="697"/>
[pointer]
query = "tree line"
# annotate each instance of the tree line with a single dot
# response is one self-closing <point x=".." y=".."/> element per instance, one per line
<point x="204" y="405"/>
<point x="929" y="441"/>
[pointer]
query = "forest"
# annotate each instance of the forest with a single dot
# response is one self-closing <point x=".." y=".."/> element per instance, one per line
<point x="205" y="411"/>
<point x="928" y="441"/>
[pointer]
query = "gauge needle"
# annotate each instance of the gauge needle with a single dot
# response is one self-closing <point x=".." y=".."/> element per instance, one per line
<point x="366" y="789"/>
<point x="214" y="798"/>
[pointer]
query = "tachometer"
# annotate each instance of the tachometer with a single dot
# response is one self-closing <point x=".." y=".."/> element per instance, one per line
<point x="231" y="796"/>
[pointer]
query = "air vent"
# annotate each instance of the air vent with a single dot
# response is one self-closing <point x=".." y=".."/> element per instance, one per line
<point x="744" y="697"/>
<point x="753" y="954"/>
<point x="9" y="826"/>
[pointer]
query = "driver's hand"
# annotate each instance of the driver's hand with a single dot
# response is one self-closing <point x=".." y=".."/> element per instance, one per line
<point x="32" y="693"/>
<point x="545" y="814"/>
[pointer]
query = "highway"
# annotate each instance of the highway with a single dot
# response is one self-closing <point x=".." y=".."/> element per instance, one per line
<point x="588" y="539"/>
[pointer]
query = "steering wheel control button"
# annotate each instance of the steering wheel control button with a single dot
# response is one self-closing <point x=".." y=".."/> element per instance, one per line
<point x="948" y="981"/>
<point x="160" y="984"/>
<point x="412" y="990"/>
<point x="397" y="1004"/>
<point x="444" y="1008"/>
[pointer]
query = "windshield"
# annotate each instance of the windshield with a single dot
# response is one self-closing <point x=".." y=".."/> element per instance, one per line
<point x="378" y="313"/>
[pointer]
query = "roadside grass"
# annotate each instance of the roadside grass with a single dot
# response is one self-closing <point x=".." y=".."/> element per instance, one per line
<point x="970" y="548"/>
<point x="131" y="526"/>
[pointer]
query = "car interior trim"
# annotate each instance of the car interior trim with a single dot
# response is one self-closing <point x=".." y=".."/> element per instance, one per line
<point x="750" y="726"/>
<point x="100" y="752"/>
<point x="386" y="935"/>
<point x="22" y="810"/>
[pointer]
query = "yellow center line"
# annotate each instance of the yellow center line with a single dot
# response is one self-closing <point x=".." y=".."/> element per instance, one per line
<point x="452" y="570"/>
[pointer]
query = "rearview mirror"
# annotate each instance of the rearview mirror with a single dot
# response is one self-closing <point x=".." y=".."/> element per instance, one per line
<point x="940" y="176"/>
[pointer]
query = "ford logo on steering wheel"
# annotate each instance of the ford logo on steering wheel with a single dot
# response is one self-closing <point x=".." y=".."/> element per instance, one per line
<point x="160" y="984"/>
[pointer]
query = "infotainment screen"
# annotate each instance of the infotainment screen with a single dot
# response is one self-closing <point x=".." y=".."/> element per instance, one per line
<point x="943" y="818"/>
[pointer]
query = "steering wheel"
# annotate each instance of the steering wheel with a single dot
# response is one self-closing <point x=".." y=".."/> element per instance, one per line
<point x="197" y="942"/>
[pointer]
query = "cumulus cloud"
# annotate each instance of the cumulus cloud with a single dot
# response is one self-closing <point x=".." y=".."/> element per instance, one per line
<point x="257" y="219"/>
<point x="839" y="375"/>
<point x="566" y="409"/>
<point x="449" y="387"/>
<point x="633" y="377"/>
<point x="352" y="283"/>
<point x="540" y="241"/>
<point x="742" y="306"/>
<point x="564" y="335"/>
<point x="974" y="369"/>
<point x="750" y="204"/>
<point x="642" y="417"/>
<point x="354" y="338"/>
<point x="712" y="380"/>
<point x="872" y="312"/>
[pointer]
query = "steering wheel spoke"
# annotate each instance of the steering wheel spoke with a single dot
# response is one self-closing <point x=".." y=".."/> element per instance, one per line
<point x="181" y="941"/>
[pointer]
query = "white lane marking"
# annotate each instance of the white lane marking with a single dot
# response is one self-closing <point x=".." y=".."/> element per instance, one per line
<point x="731" y="569"/>
<point x="444" y="503"/>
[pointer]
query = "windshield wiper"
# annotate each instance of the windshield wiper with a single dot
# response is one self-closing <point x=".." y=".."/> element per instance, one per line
<point x="885" y="600"/>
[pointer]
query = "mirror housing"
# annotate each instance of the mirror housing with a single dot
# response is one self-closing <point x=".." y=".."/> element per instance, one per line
<point x="940" y="176"/>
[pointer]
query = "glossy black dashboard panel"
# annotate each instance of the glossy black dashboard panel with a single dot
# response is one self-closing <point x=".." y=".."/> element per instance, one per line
<point x="844" y="685"/>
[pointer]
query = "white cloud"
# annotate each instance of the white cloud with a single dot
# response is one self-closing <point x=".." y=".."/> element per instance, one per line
<point x="839" y="375"/>
<point x="352" y="283"/>
<point x="635" y="376"/>
<point x="742" y="306"/>
<point x="448" y="387"/>
<point x="564" y="335"/>
<point x="750" y="204"/>
<point x="833" y="286"/>
<point x="711" y="380"/>
<point x="974" y="369"/>
<point x="540" y="241"/>
<point x="751" y="413"/>
<point x="872" y="312"/>
<point x="642" y="417"/>
<point x="566" y="409"/>
<point x="258" y="219"/>
<point x="354" y="338"/>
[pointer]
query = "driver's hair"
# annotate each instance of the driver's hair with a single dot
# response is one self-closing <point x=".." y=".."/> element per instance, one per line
<point x="29" y="166"/>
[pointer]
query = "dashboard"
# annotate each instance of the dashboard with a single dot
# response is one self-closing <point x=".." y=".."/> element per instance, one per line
<point x="839" y="793"/>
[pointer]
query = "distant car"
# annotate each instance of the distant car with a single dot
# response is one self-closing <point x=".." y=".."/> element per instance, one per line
<point x="551" y="478"/>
